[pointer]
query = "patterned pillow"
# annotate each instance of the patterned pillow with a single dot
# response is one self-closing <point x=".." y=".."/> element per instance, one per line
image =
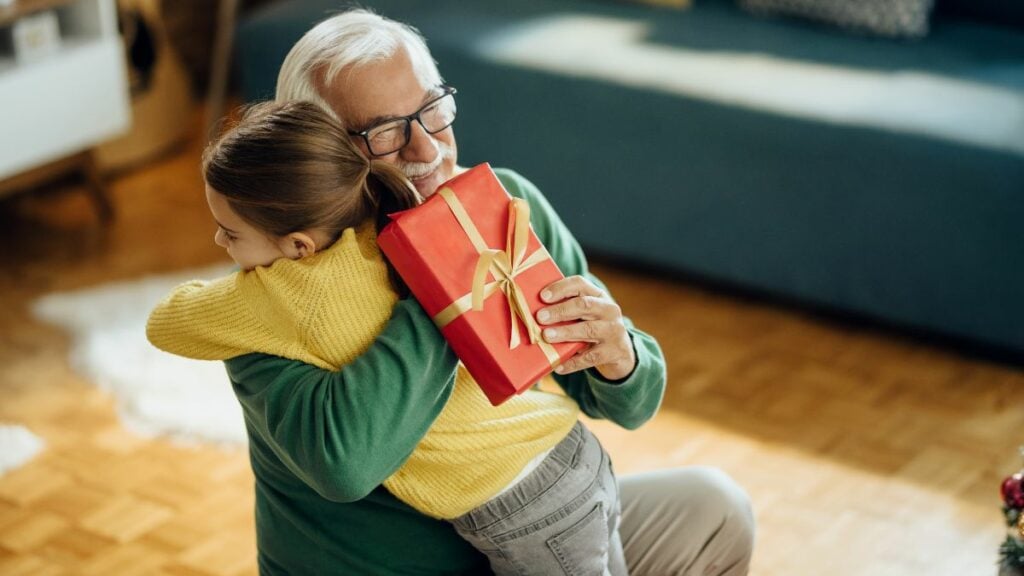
<point x="893" y="18"/>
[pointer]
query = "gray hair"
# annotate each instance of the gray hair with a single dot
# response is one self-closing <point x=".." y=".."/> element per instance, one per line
<point x="349" y="39"/>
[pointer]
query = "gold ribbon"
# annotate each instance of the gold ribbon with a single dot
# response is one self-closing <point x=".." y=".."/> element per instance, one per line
<point x="504" y="265"/>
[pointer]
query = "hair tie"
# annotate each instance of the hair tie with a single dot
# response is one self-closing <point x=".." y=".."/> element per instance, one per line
<point x="374" y="166"/>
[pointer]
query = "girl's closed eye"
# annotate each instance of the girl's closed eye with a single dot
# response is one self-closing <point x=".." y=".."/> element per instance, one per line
<point x="225" y="235"/>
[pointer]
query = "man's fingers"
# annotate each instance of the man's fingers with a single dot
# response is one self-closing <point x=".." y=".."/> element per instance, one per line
<point x="580" y="308"/>
<point x="591" y="331"/>
<point x="576" y="298"/>
<point x="568" y="288"/>
<point x="586" y="358"/>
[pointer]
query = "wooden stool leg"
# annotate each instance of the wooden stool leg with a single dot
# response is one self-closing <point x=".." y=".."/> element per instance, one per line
<point x="97" y="188"/>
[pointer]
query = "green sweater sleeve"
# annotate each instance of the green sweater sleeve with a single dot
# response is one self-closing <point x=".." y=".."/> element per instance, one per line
<point x="629" y="402"/>
<point x="342" y="433"/>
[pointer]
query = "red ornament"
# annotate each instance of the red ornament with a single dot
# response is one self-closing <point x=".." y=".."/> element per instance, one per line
<point x="1012" y="491"/>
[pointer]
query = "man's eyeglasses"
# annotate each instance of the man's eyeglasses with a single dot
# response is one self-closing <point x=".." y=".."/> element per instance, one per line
<point x="390" y="136"/>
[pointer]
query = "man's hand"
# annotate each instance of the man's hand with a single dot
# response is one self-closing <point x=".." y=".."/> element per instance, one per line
<point x="576" y="298"/>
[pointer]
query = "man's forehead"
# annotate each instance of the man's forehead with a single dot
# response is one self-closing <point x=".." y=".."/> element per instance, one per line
<point x="378" y="90"/>
<point x="368" y="111"/>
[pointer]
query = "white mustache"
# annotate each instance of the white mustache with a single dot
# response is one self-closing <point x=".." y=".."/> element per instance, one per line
<point x="413" y="170"/>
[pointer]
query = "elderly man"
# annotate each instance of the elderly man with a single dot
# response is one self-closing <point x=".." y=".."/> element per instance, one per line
<point x="322" y="442"/>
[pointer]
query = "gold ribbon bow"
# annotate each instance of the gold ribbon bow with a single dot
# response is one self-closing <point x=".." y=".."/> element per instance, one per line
<point x="504" y="265"/>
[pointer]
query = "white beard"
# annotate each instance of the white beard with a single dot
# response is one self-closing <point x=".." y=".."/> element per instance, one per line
<point x="413" y="170"/>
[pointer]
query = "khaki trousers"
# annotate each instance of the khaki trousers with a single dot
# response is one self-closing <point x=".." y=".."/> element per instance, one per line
<point x="693" y="521"/>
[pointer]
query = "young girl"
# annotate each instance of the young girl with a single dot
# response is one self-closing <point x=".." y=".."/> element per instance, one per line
<point x="298" y="208"/>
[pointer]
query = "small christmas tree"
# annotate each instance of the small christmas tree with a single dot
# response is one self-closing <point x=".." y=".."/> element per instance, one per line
<point x="1011" y="553"/>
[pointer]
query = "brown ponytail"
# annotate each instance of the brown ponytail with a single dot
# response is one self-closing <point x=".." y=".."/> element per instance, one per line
<point x="390" y="191"/>
<point x="290" y="166"/>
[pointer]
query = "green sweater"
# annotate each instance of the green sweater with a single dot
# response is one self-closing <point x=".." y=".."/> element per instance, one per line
<point x="321" y="442"/>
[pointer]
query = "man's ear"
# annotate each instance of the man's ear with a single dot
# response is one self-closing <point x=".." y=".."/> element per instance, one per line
<point x="298" y="245"/>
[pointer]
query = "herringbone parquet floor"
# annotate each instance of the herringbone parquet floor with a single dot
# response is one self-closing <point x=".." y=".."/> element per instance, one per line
<point x="865" y="452"/>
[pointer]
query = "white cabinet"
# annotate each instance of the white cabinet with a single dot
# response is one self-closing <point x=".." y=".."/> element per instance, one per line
<point x="66" y="102"/>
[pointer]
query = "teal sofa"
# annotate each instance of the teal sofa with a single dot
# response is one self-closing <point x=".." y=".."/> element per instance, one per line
<point x="878" y="218"/>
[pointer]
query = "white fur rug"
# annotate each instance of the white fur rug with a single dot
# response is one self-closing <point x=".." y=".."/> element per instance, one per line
<point x="17" y="446"/>
<point x="158" y="394"/>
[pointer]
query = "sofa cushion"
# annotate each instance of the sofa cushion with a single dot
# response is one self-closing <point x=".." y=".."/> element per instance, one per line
<point x="894" y="18"/>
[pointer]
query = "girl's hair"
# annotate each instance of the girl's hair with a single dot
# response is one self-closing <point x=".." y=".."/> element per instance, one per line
<point x="290" y="166"/>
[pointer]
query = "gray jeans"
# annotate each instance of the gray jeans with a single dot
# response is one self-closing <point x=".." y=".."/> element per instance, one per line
<point x="562" y="518"/>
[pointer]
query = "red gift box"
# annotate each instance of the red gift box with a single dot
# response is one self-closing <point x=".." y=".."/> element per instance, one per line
<point x="470" y="257"/>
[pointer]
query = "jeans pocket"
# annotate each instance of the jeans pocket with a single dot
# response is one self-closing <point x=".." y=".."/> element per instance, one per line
<point x="582" y="549"/>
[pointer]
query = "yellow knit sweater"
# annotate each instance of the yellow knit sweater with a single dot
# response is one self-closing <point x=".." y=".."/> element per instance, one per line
<point x="326" y="310"/>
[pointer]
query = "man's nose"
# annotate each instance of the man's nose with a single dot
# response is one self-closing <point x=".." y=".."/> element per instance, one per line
<point x="421" y="146"/>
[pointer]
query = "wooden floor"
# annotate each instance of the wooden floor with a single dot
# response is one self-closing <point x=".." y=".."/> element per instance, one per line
<point x="865" y="453"/>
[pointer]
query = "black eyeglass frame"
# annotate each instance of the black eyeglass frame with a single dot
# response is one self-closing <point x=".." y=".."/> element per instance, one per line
<point x="446" y="91"/>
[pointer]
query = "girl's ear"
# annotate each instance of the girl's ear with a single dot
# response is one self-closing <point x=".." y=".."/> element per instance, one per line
<point x="298" y="245"/>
